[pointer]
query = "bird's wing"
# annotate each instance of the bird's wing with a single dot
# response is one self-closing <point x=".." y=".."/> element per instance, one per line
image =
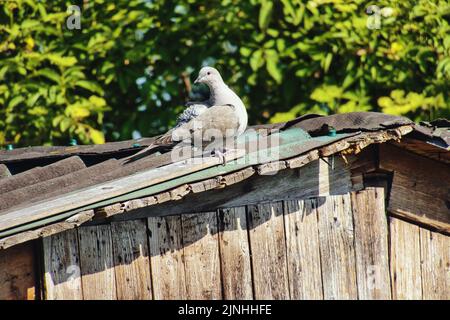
<point x="215" y="122"/>
<point x="191" y="112"/>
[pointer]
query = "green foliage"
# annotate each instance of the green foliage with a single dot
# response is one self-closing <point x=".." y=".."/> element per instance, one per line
<point x="128" y="68"/>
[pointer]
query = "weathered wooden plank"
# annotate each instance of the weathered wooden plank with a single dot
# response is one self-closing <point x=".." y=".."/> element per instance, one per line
<point x="405" y="260"/>
<point x="371" y="244"/>
<point x="17" y="273"/>
<point x="110" y="189"/>
<point x="235" y="254"/>
<point x="337" y="251"/>
<point x="48" y="230"/>
<point x="435" y="256"/>
<point x="166" y="256"/>
<point x="300" y="161"/>
<point x="268" y="250"/>
<point x="314" y="179"/>
<point x="365" y="161"/>
<point x="62" y="272"/>
<point x="419" y="188"/>
<point x="424" y="148"/>
<point x="201" y="256"/>
<point x="303" y="252"/>
<point x="96" y="261"/>
<point x="131" y="260"/>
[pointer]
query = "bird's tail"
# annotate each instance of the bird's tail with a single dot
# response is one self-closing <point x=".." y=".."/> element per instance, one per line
<point x="144" y="152"/>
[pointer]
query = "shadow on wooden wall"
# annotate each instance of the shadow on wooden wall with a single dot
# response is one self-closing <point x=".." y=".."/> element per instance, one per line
<point x="256" y="239"/>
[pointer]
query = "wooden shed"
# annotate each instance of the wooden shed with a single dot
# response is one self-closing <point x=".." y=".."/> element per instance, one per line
<point x="351" y="206"/>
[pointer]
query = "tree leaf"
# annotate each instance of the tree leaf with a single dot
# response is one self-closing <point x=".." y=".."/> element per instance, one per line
<point x="91" y="86"/>
<point x="49" y="74"/>
<point x="97" y="136"/>
<point x="265" y="14"/>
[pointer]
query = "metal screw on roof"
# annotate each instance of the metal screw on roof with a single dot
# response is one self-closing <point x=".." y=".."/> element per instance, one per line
<point x="9" y="147"/>
<point x="332" y="132"/>
<point x="136" y="145"/>
<point x="73" y="142"/>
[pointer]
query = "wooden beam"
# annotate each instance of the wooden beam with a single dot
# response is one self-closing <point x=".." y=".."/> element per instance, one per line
<point x="268" y="250"/>
<point x="371" y="244"/>
<point x="303" y="252"/>
<point x="405" y="260"/>
<point x="131" y="260"/>
<point x="424" y="148"/>
<point x="62" y="272"/>
<point x="337" y="250"/>
<point x="420" y="187"/>
<point x="166" y="254"/>
<point x="317" y="178"/>
<point x="235" y="254"/>
<point x="70" y="223"/>
<point x="435" y="258"/>
<point x="201" y="256"/>
<point x="96" y="262"/>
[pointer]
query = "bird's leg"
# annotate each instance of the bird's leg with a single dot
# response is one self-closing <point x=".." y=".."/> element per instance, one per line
<point x="220" y="153"/>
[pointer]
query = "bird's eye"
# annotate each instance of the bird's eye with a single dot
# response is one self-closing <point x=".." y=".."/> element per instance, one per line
<point x="209" y="73"/>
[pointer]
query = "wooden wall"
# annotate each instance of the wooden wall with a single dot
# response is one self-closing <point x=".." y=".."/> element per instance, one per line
<point x="18" y="269"/>
<point x="334" y="247"/>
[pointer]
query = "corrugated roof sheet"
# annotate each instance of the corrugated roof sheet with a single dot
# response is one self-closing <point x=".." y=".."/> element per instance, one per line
<point x="51" y="174"/>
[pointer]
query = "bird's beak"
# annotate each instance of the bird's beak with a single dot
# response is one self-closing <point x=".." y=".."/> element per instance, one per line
<point x="198" y="80"/>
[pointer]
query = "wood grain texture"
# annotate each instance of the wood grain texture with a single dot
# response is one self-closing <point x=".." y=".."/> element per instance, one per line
<point x="235" y="254"/>
<point x="371" y="244"/>
<point x="405" y="260"/>
<point x="423" y="148"/>
<point x="62" y="272"/>
<point x="435" y="256"/>
<point x="131" y="260"/>
<point x="96" y="260"/>
<point x="303" y="252"/>
<point x="312" y="180"/>
<point x="201" y="256"/>
<point x="17" y="274"/>
<point x="420" y="187"/>
<point x="268" y="250"/>
<point x="337" y="251"/>
<point x="167" y="257"/>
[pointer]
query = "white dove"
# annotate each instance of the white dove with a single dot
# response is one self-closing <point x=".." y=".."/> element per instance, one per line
<point x="223" y="113"/>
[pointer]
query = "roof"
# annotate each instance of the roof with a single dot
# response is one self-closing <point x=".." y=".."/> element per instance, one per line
<point x="42" y="186"/>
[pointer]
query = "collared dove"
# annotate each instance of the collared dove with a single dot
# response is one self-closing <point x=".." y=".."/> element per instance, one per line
<point x="221" y="117"/>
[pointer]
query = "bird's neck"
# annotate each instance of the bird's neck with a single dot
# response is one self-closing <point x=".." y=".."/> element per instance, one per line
<point x="217" y="85"/>
<point x="217" y="90"/>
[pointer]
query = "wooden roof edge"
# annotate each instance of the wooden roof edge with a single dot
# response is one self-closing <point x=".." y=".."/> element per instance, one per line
<point x="47" y="208"/>
<point x="347" y="146"/>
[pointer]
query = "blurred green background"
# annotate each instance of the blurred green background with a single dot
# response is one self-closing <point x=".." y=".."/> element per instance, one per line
<point x="127" y="72"/>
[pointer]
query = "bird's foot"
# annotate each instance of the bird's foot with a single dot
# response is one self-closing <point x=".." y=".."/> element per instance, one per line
<point x="220" y="153"/>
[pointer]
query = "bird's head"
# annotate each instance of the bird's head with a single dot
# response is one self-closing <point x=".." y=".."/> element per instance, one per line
<point x="208" y="76"/>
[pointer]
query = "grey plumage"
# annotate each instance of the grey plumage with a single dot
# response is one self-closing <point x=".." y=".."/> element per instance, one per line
<point x="223" y="114"/>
